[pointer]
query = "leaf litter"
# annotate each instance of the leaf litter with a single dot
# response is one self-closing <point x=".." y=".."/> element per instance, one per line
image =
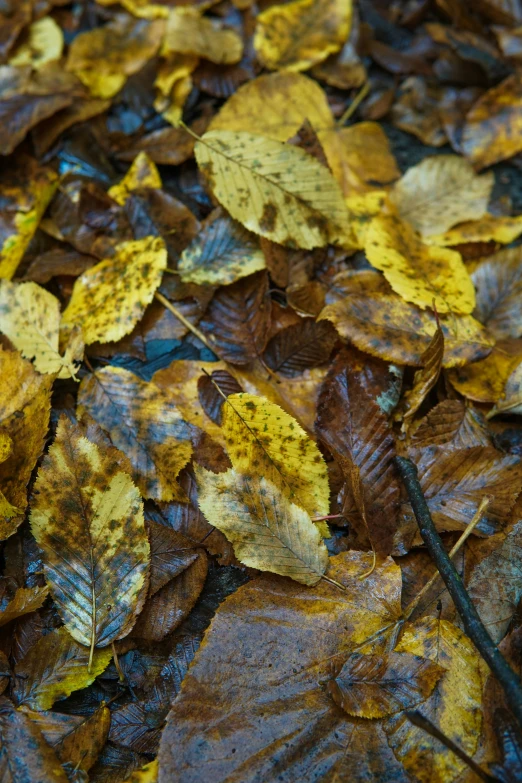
<point x="248" y="256"/>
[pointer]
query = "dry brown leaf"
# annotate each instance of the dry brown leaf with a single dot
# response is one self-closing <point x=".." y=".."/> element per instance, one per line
<point x="453" y="424"/>
<point x="423" y="381"/>
<point x="304" y="344"/>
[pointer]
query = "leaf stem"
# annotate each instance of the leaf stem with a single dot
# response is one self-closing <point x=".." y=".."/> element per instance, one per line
<point x="175" y="312"/>
<point x="471" y="621"/>
<point x="354" y="105"/>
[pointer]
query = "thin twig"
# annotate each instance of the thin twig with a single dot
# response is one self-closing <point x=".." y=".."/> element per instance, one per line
<point x="174" y="310"/>
<point x="354" y="105"/>
<point x="471" y="621"/>
<point x="418" y="719"/>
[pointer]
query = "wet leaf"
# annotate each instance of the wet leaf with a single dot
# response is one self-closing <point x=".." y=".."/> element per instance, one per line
<point x="55" y="667"/>
<point x="104" y="552"/>
<point x="374" y="686"/>
<point x="305" y="344"/>
<point x="110" y="298"/>
<point x="211" y="399"/>
<point x="301" y="33"/>
<point x="498" y="282"/>
<point x="144" y="423"/>
<point x="423" y="381"/>
<point x="82" y="746"/>
<point x="147" y="774"/>
<point x="261" y="437"/>
<point x="440" y="192"/>
<point x="420" y="273"/>
<point x="452" y="423"/>
<point x="26" y="600"/>
<point x="265" y="185"/>
<point x="30" y="317"/>
<point x="170" y="554"/>
<point x="142" y="174"/>
<point x="188" y="32"/>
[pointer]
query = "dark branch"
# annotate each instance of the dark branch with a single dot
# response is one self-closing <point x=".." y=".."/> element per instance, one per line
<point x="470" y="619"/>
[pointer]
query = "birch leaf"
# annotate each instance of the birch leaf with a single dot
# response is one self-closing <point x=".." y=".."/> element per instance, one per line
<point x="87" y="517"/>
<point x="275" y="190"/>
<point x="267" y="530"/>
<point x="30" y="317"/>
<point x="109" y="299"/>
<point x="260" y="436"/>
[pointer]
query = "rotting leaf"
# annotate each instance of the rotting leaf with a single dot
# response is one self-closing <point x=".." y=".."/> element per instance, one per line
<point x="25" y="600"/>
<point x="511" y="399"/>
<point x="453" y="424"/>
<point x="103" y="554"/>
<point x="212" y="390"/>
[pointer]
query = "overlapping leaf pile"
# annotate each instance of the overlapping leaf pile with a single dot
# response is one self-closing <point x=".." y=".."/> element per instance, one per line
<point x="248" y="255"/>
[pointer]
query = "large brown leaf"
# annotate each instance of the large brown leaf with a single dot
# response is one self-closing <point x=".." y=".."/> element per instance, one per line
<point x="306" y="344"/>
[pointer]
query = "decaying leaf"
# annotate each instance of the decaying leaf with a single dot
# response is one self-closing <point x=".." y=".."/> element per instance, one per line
<point x="103" y="553"/>
<point x="273" y="189"/>
<point x="188" y="32"/>
<point x="423" y="381"/>
<point x="142" y="174"/>
<point x="144" y="423"/>
<point x="109" y="299"/>
<point x="55" y="667"/>
<point x="26" y="600"/>
<point x="30" y="317"/>
<point x="440" y="192"/>
<point x="301" y="33"/>
<point x="305" y="344"/>
<point x="498" y="282"/>
<point x="261" y="437"/>
<point x="452" y="423"/>
<point x="489" y="228"/>
<point x="485" y="381"/>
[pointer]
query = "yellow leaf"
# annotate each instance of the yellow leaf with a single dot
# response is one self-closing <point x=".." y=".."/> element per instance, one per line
<point x="143" y="173"/>
<point x="454" y="706"/>
<point x="7" y="510"/>
<point x="484" y="381"/>
<point x="44" y="44"/>
<point x="143" y="422"/>
<point x="54" y="667"/>
<point x="109" y="299"/>
<point x="261" y="436"/>
<point x="143" y="9"/>
<point x="302" y="33"/>
<point x="267" y="530"/>
<point x="275" y="105"/>
<point x="174" y="83"/>
<point x="147" y="774"/>
<point x="421" y="274"/>
<point x="488" y="229"/>
<point x="190" y="33"/>
<point x="30" y="317"/>
<point x="441" y="191"/>
<point x="362" y="208"/>
<point x="17" y="227"/>
<point x="222" y="253"/>
<point x="87" y="517"/>
<point x="273" y="189"/>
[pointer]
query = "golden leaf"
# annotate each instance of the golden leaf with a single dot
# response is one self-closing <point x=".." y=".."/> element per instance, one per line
<point x="54" y="667"/>
<point x="454" y="706"/>
<point x="489" y="228"/>
<point x="441" y="191"/>
<point x="44" y="44"/>
<point x="7" y="510"/>
<point x="143" y="9"/>
<point x="17" y="228"/>
<point x="419" y="273"/>
<point x="96" y="565"/>
<point x="188" y="32"/>
<point x="261" y="436"/>
<point x="511" y="401"/>
<point x="30" y="317"/>
<point x="273" y="189"/>
<point x="173" y="83"/>
<point x="143" y="173"/>
<point x="302" y="33"/>
<point x="267" y="530"/>
<point x="143" y="422"/>
<point x="109" y="299"/>
<point x="26" y="600"/>
<point x="147" y="774"/>
<point x="484" y="381"/>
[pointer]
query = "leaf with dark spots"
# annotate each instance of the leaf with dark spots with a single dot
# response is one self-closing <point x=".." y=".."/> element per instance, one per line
<point x="306" y="344"/>
<point x="209" y="396"/>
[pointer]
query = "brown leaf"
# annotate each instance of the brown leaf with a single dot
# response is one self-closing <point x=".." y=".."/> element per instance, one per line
<point x="167" y="146"/>
<point x="25" y="601"/>
<point x="452" y="424"/>
<point x="423" y="381"/>
<point x="374" y="686"/>
<point x="498" y="283"/>
<point x="238" y="319"/>
<point x="170" y="554"/>
<point x="306" y="344"/>
<point x="209" y="396"/>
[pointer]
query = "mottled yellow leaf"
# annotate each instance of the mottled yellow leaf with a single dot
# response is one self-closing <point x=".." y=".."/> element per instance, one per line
<point x="188" y="32"/>
<point x="30" y="317"/>
<point x="273" y="189"/>
<point x="44" y="43"/>
<point x="17" y="228"/>
<point x="261" y="436"/>
<point x="488" y="229"/>
<point x="144" y="423"/>
<point x="440" y="192"/>
<point x="87" y="517"/>
<point x="454" y="706"/>
<point x="484" y="381"/>
<point x="420" y="273"/>
<point x="362" y="208"/>
<point x="301" y="33"/>
<point x="143" y="173"/>
<point x="7" y="510"/>
<point x="267" y="530"/>
<point x="110" y="298"/>
<point x="54" y="667"/>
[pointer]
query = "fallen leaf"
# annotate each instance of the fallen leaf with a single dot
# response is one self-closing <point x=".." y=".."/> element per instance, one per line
<point x="142" y="174"/>
<point x="222" y="253"/>
<point x="454" y="424"/>
<point x="301" y="33"/>
<point x="260" y="436"/>
<point x="147" y="774"/>
<point x="188" y="32"/>
<point x="170" y="554"/>
<point x="81" y="747"/>
<point x="55" y="667"/>
<point x="416" y="109"/>
<point x="498" y="283"/>
<point x="110" y="298"/>
<point x="239" y="168"/>
<point x="267" y="531"/>
<point x="305" y="344"/>
<point x="211" y="399"/>
<point x="104" y="545"/>
<point x="485" y="380"/>
<point x="440" y="192"/>
<point x="511" y="398"/>
<point x="374" y="686"/>
<point x="490" y="228"/>
<point x="422" y="274"/>
<point x="44" y="44"/>
<point x="144" y="423"/>
<point x="30" y="317"/>
<point x="26" y="600"/>
<point x="423" y="381"/>
<point x="168" y="146"/>
<point x="81" y="110"/>
<point x="174" y="84"/>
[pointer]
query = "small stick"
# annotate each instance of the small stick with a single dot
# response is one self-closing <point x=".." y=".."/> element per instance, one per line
<point x="354" y="105"/>
<point x="117" y="663"/>
<point x="174" y="310"/>
<point x="465" y="535"/>
<point x="471" y="621"/>
<point x="328" y="516"/>
<point x="418" y="719"/>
